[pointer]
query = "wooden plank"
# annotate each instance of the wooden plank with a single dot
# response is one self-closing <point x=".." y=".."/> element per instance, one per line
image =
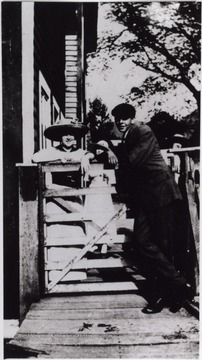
<point x="70" y="92"/>
<point x="70" y="63"/>
<point x="28" y="241"/>
<point x="60" y="167"/>
<point x="70" y="52"/>
<point x="70" y="77"/>
<point x="82" y="240"/>
<point x="108" y="263"/>
<point x="59" y="253"/>
<point x="139" y="303"/>
<point x="126" y="352"/>
<point x="71" y="231"/>
<point x="194" y="218"/>
<point x="72" y="58"/>
<point x="99" y="314"/>
<point x="176" y="350"/>
<point x="118" y="326"/>
<point x="85" y="299"/>
<point x="64" y="191"/>
<point x="71" y="88"/>
<point x="58" y="218"/>
<point x="42" y="250"/>
<point x="182" y="150"/>
<point x="71" y="95"/>
<point x="190" y="190"/>
<point x="68" y="205"/>
<point x="33" y="339"/>
<point x="71" y="72"/>
<point x="123" y="224"/>
<point x="70" y="104"/>
<point x="71" y="113"/>
<point x="95" y="287"/>
<point x="71" y="69"/>
<point x="71" y="46"/>
<point x="109" y="301"/>
<point x="70" y="37"/>
<point x="69" y="81"/>
<point x="69" y="42"/>
<point x="75" y="216"/>
<point x="27" y="81"/>
<point x="70" y="110"/>
<point x="71" y="276"/>
<point x="87" y="247"/>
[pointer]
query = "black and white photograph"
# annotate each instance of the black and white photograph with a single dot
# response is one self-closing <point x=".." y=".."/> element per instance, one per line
<point x="101" y="179"/>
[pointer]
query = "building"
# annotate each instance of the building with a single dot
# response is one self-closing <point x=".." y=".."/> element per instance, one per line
<point x="44" y="46"/>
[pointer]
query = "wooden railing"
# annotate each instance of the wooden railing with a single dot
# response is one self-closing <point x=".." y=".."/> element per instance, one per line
<point x="185" y="165"/>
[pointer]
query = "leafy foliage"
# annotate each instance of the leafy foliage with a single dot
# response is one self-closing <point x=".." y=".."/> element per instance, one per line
<point x="160" y="37"/>
<point x="98" y="108"/>
<point x="100" y="124"/>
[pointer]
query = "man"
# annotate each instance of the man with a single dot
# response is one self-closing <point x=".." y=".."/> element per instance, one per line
<point x="155" y="199"/>
<point x="66" y="132"/>
<point x="164" y="127"/>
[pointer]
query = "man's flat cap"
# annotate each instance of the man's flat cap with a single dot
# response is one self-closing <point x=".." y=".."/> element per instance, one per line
<point x="124" y="111"/>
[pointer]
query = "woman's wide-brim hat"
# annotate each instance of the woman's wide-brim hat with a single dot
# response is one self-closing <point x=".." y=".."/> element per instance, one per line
<point x="68" y="126"/>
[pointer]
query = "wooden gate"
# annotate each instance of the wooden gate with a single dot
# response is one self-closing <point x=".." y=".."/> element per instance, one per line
<point x="82" y="232"/>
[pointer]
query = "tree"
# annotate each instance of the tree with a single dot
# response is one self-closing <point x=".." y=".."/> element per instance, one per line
<point x="97" y="108"/>
<point x="162" y="38"/>
<point x="100" y="124"/>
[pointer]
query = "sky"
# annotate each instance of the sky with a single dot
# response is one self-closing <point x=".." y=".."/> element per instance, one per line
<point x="115" y="82"/>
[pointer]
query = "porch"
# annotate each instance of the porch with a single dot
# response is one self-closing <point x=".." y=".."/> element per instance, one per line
<point x="99" y="316"/>
<point x="105" y="326"/>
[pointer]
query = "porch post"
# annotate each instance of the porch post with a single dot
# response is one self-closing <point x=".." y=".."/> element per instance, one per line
<point x="28" y="80"/>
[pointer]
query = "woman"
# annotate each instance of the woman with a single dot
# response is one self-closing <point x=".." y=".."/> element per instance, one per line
<point x="66" y="132"/>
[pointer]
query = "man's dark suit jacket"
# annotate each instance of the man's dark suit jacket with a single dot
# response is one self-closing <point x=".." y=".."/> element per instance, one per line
<point x="146" y="176"/>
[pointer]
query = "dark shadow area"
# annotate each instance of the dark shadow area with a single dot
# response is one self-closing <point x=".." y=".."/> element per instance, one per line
<point x="17" y="352"/>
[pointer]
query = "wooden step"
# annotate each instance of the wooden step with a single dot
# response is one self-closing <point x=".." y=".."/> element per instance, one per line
<point x="112" y="301"/>
<point x="95" y="287"/>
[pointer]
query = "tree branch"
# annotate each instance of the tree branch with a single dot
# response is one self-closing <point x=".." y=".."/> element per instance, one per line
<point x="157" y="69"/>
<point x="190" y="39"/>
<point x="113" y="39"/>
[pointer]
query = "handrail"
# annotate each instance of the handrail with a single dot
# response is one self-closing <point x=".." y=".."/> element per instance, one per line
<point x="181" y="150"/>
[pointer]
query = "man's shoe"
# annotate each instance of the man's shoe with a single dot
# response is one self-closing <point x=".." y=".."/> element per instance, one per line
<point x="155" y="306"/>
<point x="181" y="296"/>
<point x="189" y="292"/>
